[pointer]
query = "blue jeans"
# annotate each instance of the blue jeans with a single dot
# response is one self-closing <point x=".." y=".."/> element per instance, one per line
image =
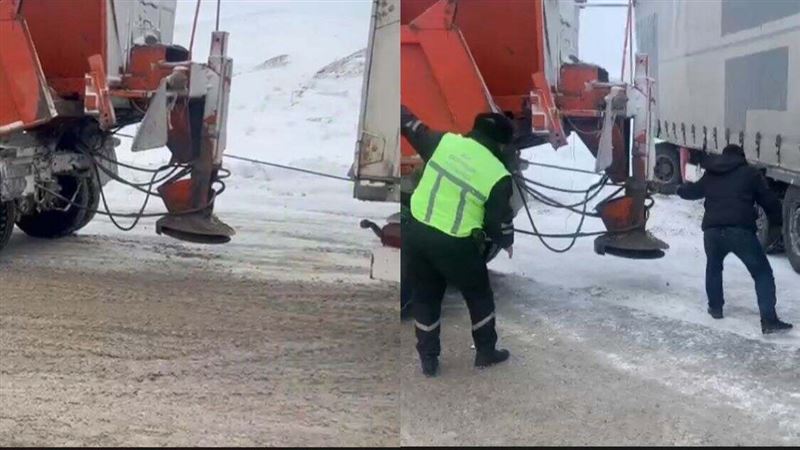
<point x="743" y="243"/>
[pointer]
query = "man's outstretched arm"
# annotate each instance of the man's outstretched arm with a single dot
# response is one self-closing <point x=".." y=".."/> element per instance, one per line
<point x="692" y="191"/>
<point x="420" y="136"/>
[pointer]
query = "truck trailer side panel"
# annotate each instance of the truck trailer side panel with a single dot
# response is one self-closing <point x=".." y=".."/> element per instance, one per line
<point x="727" y="72"/>
<point x="377" y="162"/>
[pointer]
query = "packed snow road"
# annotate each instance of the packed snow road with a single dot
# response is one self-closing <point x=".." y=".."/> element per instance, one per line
<point x="596" y="374"/>
<point x="176" y="353"/>
<point x="590" y="368"/>
<point x="277" y="338"/>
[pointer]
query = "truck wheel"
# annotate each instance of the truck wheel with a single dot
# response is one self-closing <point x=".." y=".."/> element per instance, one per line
<point x="52" y="224"/>
<point x="791" y="226"/>
<point x="7" y="213"/>
<point x="771" y="242"/>
<point x="667" y="170"/>
<point x="93" y="203"/>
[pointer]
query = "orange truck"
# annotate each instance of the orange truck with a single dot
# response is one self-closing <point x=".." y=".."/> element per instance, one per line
<point x="463" y="57"/>
<point x="71" y="75"/>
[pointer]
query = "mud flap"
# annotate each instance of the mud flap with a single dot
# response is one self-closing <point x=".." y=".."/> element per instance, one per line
<point x="385" y="264"/>
<point x="152" y="132"/>
<point x="385" y="261"/>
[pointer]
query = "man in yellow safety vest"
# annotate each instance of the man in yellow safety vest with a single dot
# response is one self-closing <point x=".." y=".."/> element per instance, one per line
<point x="462" y="199"/>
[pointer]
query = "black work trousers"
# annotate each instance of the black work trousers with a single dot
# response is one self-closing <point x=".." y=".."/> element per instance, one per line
<point x="743" y="243"/>
<point x="434" y="260"/>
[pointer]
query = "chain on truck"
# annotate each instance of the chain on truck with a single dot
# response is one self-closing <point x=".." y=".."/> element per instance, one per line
<point x="73" y="75"/>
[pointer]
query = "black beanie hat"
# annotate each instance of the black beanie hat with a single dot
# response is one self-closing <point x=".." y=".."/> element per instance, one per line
<point x="496" y="127"/>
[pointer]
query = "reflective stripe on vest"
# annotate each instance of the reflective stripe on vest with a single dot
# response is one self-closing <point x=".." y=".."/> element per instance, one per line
<point x="455" y="185"/>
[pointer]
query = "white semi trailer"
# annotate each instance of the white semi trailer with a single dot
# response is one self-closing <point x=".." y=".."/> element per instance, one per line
<point x="376" y="168"/>
<point x="727" y="71"/>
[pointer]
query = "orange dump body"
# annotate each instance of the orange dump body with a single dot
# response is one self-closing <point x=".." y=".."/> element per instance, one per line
<point x="462" y="58"/>
<point x="505" y="40"/>
<point x="65" y="37"/>
<point x="45" y="52"/>
<point x="45" y="44"/>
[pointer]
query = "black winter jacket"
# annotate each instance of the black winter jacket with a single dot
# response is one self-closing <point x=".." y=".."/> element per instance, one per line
<point x="731" y="189"/>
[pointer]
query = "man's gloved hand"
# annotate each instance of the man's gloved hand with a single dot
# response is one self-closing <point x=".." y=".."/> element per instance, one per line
<point x="480" y="239"/>
<point x="407" y="118"/>
<point x="404" y="111"/>
<point x="510" y="251"/>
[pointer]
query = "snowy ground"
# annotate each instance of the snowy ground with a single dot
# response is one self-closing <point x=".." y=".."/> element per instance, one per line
<point x="672" y="287"/>
<point x="609" y="351"/>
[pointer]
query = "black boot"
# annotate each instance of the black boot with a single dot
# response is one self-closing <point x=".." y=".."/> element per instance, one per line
<point x="715" y="313"/>
<point x="486" y="359"/>
<point x="774" y="326"/>
<point x="430" y="366"/>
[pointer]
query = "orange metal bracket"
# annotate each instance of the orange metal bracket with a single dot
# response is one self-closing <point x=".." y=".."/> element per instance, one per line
<point x="546" y="106"/>
<point x="96" y="100"/>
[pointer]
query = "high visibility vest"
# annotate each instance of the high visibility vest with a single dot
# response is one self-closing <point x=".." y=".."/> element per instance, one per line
<point x="455" y="185"/>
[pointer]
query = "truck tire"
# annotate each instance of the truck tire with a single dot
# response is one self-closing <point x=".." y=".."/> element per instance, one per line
<point x="667" y="172"/>
<point x="53" y="224"/>
<point x="791" y="226"/>
<point x="771" y="241"/>
<point x="7" y="213"/>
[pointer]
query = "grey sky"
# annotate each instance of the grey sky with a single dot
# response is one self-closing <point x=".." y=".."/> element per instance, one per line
<point x="602" y="37"/>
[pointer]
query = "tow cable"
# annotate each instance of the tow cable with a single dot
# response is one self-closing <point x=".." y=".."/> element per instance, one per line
<point x="296" y="169"/>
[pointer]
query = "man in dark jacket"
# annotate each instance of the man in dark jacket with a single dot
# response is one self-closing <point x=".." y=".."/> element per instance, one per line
<point x="731" y="189"/>
<point x="462" y="199"/>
